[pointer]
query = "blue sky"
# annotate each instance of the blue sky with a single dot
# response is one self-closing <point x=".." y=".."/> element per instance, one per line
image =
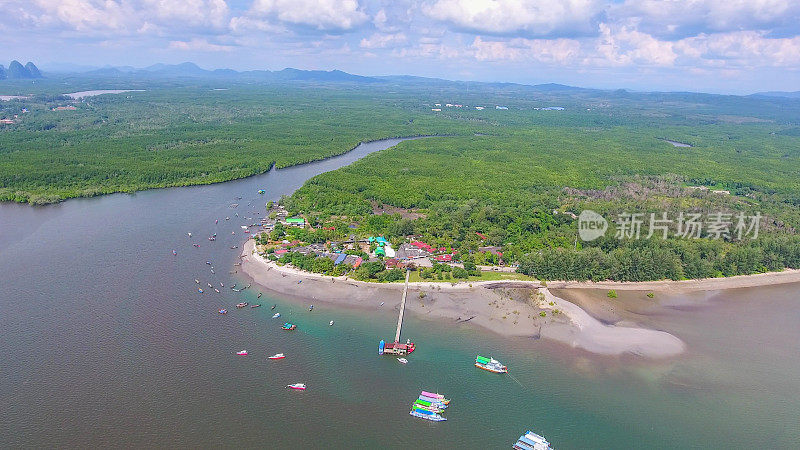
<point x="726" y="46"/>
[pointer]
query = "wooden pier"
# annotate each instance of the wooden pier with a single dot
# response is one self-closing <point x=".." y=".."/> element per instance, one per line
<point x="396" y="348"/>
<point x="402" y="309"/>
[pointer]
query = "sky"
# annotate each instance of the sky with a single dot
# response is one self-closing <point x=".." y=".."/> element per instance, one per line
<point x="720" y="46"/>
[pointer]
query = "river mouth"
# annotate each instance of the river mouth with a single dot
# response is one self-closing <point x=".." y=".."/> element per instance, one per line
<point x="106" y="340"/>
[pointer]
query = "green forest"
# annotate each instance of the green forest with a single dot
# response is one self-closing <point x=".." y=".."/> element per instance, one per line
<point x="512" y="178"/>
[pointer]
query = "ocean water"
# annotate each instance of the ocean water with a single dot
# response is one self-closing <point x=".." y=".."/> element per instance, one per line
<point x="105" y="341"/>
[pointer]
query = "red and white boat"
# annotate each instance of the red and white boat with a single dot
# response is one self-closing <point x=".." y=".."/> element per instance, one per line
<point x="277" y="356"/>
<point x="241" y="353"/>
<point x="297" y="386"/>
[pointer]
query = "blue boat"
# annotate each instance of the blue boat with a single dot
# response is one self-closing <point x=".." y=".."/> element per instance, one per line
<point x="381" y="346"/>
<point x="427" y="415"/>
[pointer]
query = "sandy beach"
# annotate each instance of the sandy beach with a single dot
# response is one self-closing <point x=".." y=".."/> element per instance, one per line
<point x="508" y="308"/>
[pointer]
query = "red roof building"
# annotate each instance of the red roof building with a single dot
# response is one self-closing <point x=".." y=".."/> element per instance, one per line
<point x="423" y="246"/>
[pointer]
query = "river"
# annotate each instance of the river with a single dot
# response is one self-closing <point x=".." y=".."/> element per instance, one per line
<point x="106" y="342"/>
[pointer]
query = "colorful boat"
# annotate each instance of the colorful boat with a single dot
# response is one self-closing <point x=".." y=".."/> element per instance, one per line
<point x="276" y="315"/>
<point x="490" y="364"/>
<point x="241" y="353"/>
<point x="531" y="441"/>
<point x="297" y="386"/>
<point x="256" y="305"/>
<point x="277" y="356"/>
<point x="289" y="326"/>
<point x="440" y="397"/>
<point x="174" y="252"/>
<point x="261" y="191"/>
<point x="241" y="305"/>
<point x="419" y="404"/>
<point x="223" y="311"/>
<point x="431" y="402"/>
<point x="381" y="346"/>
<point x="427" y="415"/>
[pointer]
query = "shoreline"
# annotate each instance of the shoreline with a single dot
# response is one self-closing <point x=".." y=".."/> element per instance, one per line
<point x="101" y="192"/>
<point x="507" y="308"/>
<point x="701" y="284"/>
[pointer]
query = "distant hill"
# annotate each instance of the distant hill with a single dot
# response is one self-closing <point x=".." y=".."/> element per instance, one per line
<point x="319" y="75"/>
<point x="17" y="71"/>
<point x="33" y="70"/>
<point x="2" y="72"/>
<point x="795" y="94"/>
<point x="192" y="70"/>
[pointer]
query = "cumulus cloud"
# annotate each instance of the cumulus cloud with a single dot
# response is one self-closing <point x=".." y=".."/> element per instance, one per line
<point x="325" y="15"/>
<point x="528" y="17"/>
<point x="624" y="46"/>
<point x="681" y="18"/>
<point x="559" y="51"/>
<point x="115" y="17"/>
<point x="378" y="40"/>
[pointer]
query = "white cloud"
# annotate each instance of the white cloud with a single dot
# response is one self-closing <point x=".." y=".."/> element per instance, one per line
<point x="115" y="17"/>
<point x="200" y="45"/>
<point x="193" y="12"/>
<point x="743" y="49"/>
<point x="378" y="40"/>
<point x="528" y="17"/>
<point x="681" y="18"/>
<point x="624" y="46"/>
<point x="326" y="15"/>
<point x="554" y="51"/>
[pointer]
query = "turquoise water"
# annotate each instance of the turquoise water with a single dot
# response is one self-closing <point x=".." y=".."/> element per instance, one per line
<point x="106" y="342"/>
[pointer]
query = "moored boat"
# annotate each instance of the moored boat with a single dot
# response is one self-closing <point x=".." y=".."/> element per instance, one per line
<point x="431" y="402"/>
<point x="531" y="441"/>
<point x="403" y="360"/>
<point x="440" y="397"/>
<point x="381" y="346"/>
<point x="256" y="305"/>
<point x="223" y="311"/>
<point x="241" y="353"/>
<point x="330" y="324"/>
<point x="427" y="415"/>
<point x="419" y="404"/>
<point x="297" y="386"/>
<point x="289" y="326"/>
<point x="277" y="356"/>
<point x="276" y="315"/>
<point x="490" y="364"/>
<point x="241" y="305"/>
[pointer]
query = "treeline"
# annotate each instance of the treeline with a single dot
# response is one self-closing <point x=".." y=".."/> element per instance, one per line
<point x="658" y="260"/>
